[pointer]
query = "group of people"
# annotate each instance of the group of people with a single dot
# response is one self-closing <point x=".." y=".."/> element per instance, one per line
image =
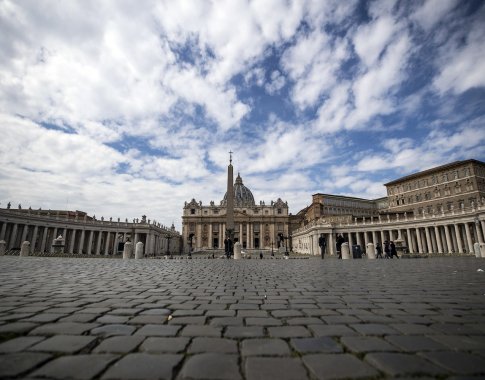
<point x="389" y="250"/>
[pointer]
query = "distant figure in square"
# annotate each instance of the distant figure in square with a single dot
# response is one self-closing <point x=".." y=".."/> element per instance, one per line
<point x="340" y="241"/>
<point x="387" y="250"/>
<point x="322" y="243"/>
<point x="393" y="250"/>
<point x="378" y="251"/>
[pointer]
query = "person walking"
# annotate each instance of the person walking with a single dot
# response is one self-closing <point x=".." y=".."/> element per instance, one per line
<point x="393" y="250"/>
<point x="378" y="251"/>
<point x="387" y="250"/>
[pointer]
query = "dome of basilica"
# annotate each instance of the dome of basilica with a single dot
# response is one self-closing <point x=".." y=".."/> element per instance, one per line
<point x="242" y="195"/>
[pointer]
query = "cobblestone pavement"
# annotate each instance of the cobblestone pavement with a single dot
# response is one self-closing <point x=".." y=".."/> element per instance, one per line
<point x="249" y="319"/>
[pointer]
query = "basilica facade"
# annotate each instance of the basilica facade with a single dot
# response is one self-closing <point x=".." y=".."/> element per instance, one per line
<point x="256" y="225"/>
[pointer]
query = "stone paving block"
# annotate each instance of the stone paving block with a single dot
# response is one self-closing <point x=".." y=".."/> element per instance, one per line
<point x="338" y="366"/>
<point x="17" y="327"/>
<point x="19" y="344"/>
<point x="158" y="330"/>
<point x="244" y="332"/>
<point x="455" y="329"/>
<point x="112" y="319"/>
<point x="340" y="319"/>
<point x="286" y="313"/>
<point x="332" y="330"/>
<point x="227" y="321"/>
<point x="304" y="321"/>
<point x="119" y="344"/>
<point x="220" y="313"/>
<point x="187" y="321"/>
<point x="44" y="317"/>
<point x="160" y="311"/>
<point x="218" y="345"/>
<point x="274" y="368"/>
<point x="288" y="332"/>
<point x="461" y="342"/>
<point x="148" y="320"/>
<point x="415" y="343"/>
<point x="262" y="347"/>
<point x="373" y="329"/>
<point x="68" y="344"/>
<point x="211" y="366"/>
<point x="457" y="362"/>
<point x="263" y="321"/>
<point x="159" y="345"/>
<point x="143" y="366"/>
<point x="398" y="364"/>
<point x="413" y="329"/>
<point x="315" y="345"/>
<point x="16" y="364"/>
<point x="75" y="367"/>
<point x="196" y="330"/>
<point x="113" y="330"/>
<point x="83" y="318"/>
<point x="68" y="328"/>
<point x="252" y="313"/>
<point x="363" y="344"/>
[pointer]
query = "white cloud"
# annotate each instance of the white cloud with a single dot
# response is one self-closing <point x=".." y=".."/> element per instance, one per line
<point x="277" y="83"/>
<point x="432" y="11"/>
<point x="462" y="66"/>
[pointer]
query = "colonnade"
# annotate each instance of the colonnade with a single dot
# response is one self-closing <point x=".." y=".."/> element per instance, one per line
<point x="81" y="237"/>
<point x="446" y="236"/>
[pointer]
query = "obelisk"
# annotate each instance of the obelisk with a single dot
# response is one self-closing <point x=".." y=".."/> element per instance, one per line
<point x="230" y="202"/>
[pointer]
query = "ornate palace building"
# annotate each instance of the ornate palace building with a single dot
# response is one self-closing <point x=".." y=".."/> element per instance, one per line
<point x="257" y="226"/>
<point x="82" y="234"/>
<point x="436" y="211"/>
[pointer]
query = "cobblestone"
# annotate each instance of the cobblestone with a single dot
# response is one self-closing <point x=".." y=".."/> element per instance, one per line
<point x="248" y="319"/>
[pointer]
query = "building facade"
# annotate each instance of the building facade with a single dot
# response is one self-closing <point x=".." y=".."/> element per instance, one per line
<point x="83" y="234"/>
<point x="436" y="211"/>
<point x="257" y="226"/>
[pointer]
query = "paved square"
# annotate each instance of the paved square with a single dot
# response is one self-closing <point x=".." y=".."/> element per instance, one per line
<point x="246" y="319"/>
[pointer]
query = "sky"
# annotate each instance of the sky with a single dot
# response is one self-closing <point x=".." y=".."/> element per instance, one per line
<point x="129" y="108"/>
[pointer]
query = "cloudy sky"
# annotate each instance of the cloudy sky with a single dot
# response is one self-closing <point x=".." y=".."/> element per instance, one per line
<point x="124" y="108"/>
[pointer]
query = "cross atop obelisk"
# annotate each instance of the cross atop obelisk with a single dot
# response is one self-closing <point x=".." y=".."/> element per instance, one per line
<point x="230" y="201"/>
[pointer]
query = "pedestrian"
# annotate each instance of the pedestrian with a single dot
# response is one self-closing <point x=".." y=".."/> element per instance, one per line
<point x="261" y="255"/>
<point x="393" y="250"/>
<point x="387" y="250"/>
<point x="322" y="243"/>
<point x="378" y="251"/>
<point x="340" y="241"/>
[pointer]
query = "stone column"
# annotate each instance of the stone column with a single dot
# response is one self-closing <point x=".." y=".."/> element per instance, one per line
<point x="2" y="232"/>
<point x="54" y="235"/>
<point x="429" y="243"/>
<point x="240" y="233"/>
<point x="24" y="233"/>
<point x="33" y="239"/>
<point x="71" y="241"/>
<point x="370" y="251"/>
<point x="438" y="239"/>
<point x="482" y="223"/>
<point x="409" y="240"/>
<point x="479" y="233"/>
<point x="374" y="238"/>
<point x="221" y="235"/>
<point x="198" y="228"/>
<point x="210" y="240"/>
<point x="115" y="243"/>
<point x="331" y="244"/>
<point x="89" y="248"/>
<point x="449" y="246"/>
<point x="106" y="244"/>
<point x="3" y="246"/>
<point x="13" y="236"/>
<point x="418" y="238"/>
<point x="261" y="236"/>
<point x="458" y="238"/>
<point x="383" y="238"/>
<point x="44" y="239"/>
<point x="80" y="244"/>
<point x="248" y="236"/>
<point x="366" y="241"/>
<point x="230" y="200"/>
<point x="98" y="243"/>
<point x="469" y="238"/>
<point x="359" y="241"/>
<point x="136" y="236"/>
<point x="351" y="243"/>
